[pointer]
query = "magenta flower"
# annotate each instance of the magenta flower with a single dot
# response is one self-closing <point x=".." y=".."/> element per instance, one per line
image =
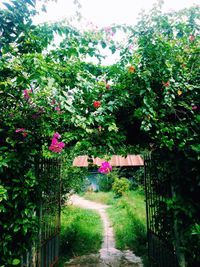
<point x="55" y="145"/>
<point x="194" y="107"/>
<point x="27" y="94"/>
<point x="57" y="135"/>
<point x="57" y="108"/>
<point x="19" y="130"/>
<point x="105" y="167"/>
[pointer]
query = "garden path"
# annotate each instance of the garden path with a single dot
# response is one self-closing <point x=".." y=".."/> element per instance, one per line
<point x="108" y="255"/>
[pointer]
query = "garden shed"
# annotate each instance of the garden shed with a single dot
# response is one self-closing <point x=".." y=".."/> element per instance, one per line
<point x="115" y="161"/>
<point x="128" y="164"/>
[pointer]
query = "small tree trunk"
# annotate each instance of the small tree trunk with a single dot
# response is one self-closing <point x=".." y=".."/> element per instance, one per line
<point x="179" y="252"/>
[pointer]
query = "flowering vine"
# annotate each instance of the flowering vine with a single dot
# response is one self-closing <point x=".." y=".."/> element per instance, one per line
<point x="55" y="145"/>
<point x="105" y="167"/>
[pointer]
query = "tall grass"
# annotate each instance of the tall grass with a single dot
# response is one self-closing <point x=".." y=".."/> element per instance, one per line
<point x="81" y="232"/>
<point x="129" y="222"/>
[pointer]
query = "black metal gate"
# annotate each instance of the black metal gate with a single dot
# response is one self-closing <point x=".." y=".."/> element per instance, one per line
<point x="48" y="172"/>
<point x="159" y="219"/>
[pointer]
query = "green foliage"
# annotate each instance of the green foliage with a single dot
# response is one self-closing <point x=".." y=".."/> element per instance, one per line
<point x="152" y="101"/>
<point x="81" y="232"/>
<point x="105" y="181"/>
<point x="120" y="186"/>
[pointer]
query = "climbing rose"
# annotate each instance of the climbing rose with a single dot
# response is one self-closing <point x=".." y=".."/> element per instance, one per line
<point x="105" y="167"/>
<point x="97" y="104"/>
<point x="131" y="69"/>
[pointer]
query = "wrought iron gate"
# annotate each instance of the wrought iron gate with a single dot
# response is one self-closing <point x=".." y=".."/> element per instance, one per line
<point x="159" y="219"/>
<point x="48" y="173"/>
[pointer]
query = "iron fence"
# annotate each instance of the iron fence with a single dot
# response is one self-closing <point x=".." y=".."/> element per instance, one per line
<point x="48" y="173"/>
<point x="45" y="252"/>
<point x="159" y="219"/>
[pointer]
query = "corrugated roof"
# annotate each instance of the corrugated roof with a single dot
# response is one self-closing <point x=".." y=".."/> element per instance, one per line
<point x="130" y="160"/>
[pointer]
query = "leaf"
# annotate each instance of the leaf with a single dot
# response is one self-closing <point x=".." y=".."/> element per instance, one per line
<point x="15" y="262"/>
<point x="103" y="44"/>
<point x="9" y="7"/>
<point x="31" y="2"/>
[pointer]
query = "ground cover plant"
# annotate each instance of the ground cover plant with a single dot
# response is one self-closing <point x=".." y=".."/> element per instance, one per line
<point x="81" y="232"/>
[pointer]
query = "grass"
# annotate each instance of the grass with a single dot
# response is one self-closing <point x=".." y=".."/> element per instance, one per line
<point x="100" y="197"/>
<point x="129" y="222"/>
<point x="81" y="233"/>
<point x="128" y="217"/>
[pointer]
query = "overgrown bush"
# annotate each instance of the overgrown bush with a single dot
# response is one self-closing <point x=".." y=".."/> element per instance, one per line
<point x="120" y="186"/>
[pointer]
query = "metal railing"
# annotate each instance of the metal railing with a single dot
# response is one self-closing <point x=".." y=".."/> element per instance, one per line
<point x="161" y="251"/>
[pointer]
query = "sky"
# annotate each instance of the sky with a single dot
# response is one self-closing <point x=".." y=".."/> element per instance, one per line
<point x="106" y="12"/>
<point x="103" y="13"/>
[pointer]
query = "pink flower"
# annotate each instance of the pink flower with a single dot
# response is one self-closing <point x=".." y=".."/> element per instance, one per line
<point x="130" y="47"/>
<point x="57" y="108"/>
<point x="105" y="167"/>
<point x="57" y="135"/>
<point x="194" y="107"/>
<point x="55" y="145"/>
<point x="191" y="38"/>
<point x="19" y="130"/>
<point x="27" y="94"/>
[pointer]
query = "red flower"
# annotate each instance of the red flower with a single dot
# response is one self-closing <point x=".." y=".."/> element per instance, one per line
<point x="97" y="104"/>
<point x="166" y="84"/>
<point x="131" y="69"/>
<point x="21" y="130"/>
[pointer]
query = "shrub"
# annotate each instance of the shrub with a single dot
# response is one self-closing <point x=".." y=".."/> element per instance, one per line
<point x="120" y="186"/>
<point x="105" y="181"/>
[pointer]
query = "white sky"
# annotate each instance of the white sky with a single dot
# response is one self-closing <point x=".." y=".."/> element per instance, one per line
<point x="103" y="13"/>
<point x="106" y="12"/>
